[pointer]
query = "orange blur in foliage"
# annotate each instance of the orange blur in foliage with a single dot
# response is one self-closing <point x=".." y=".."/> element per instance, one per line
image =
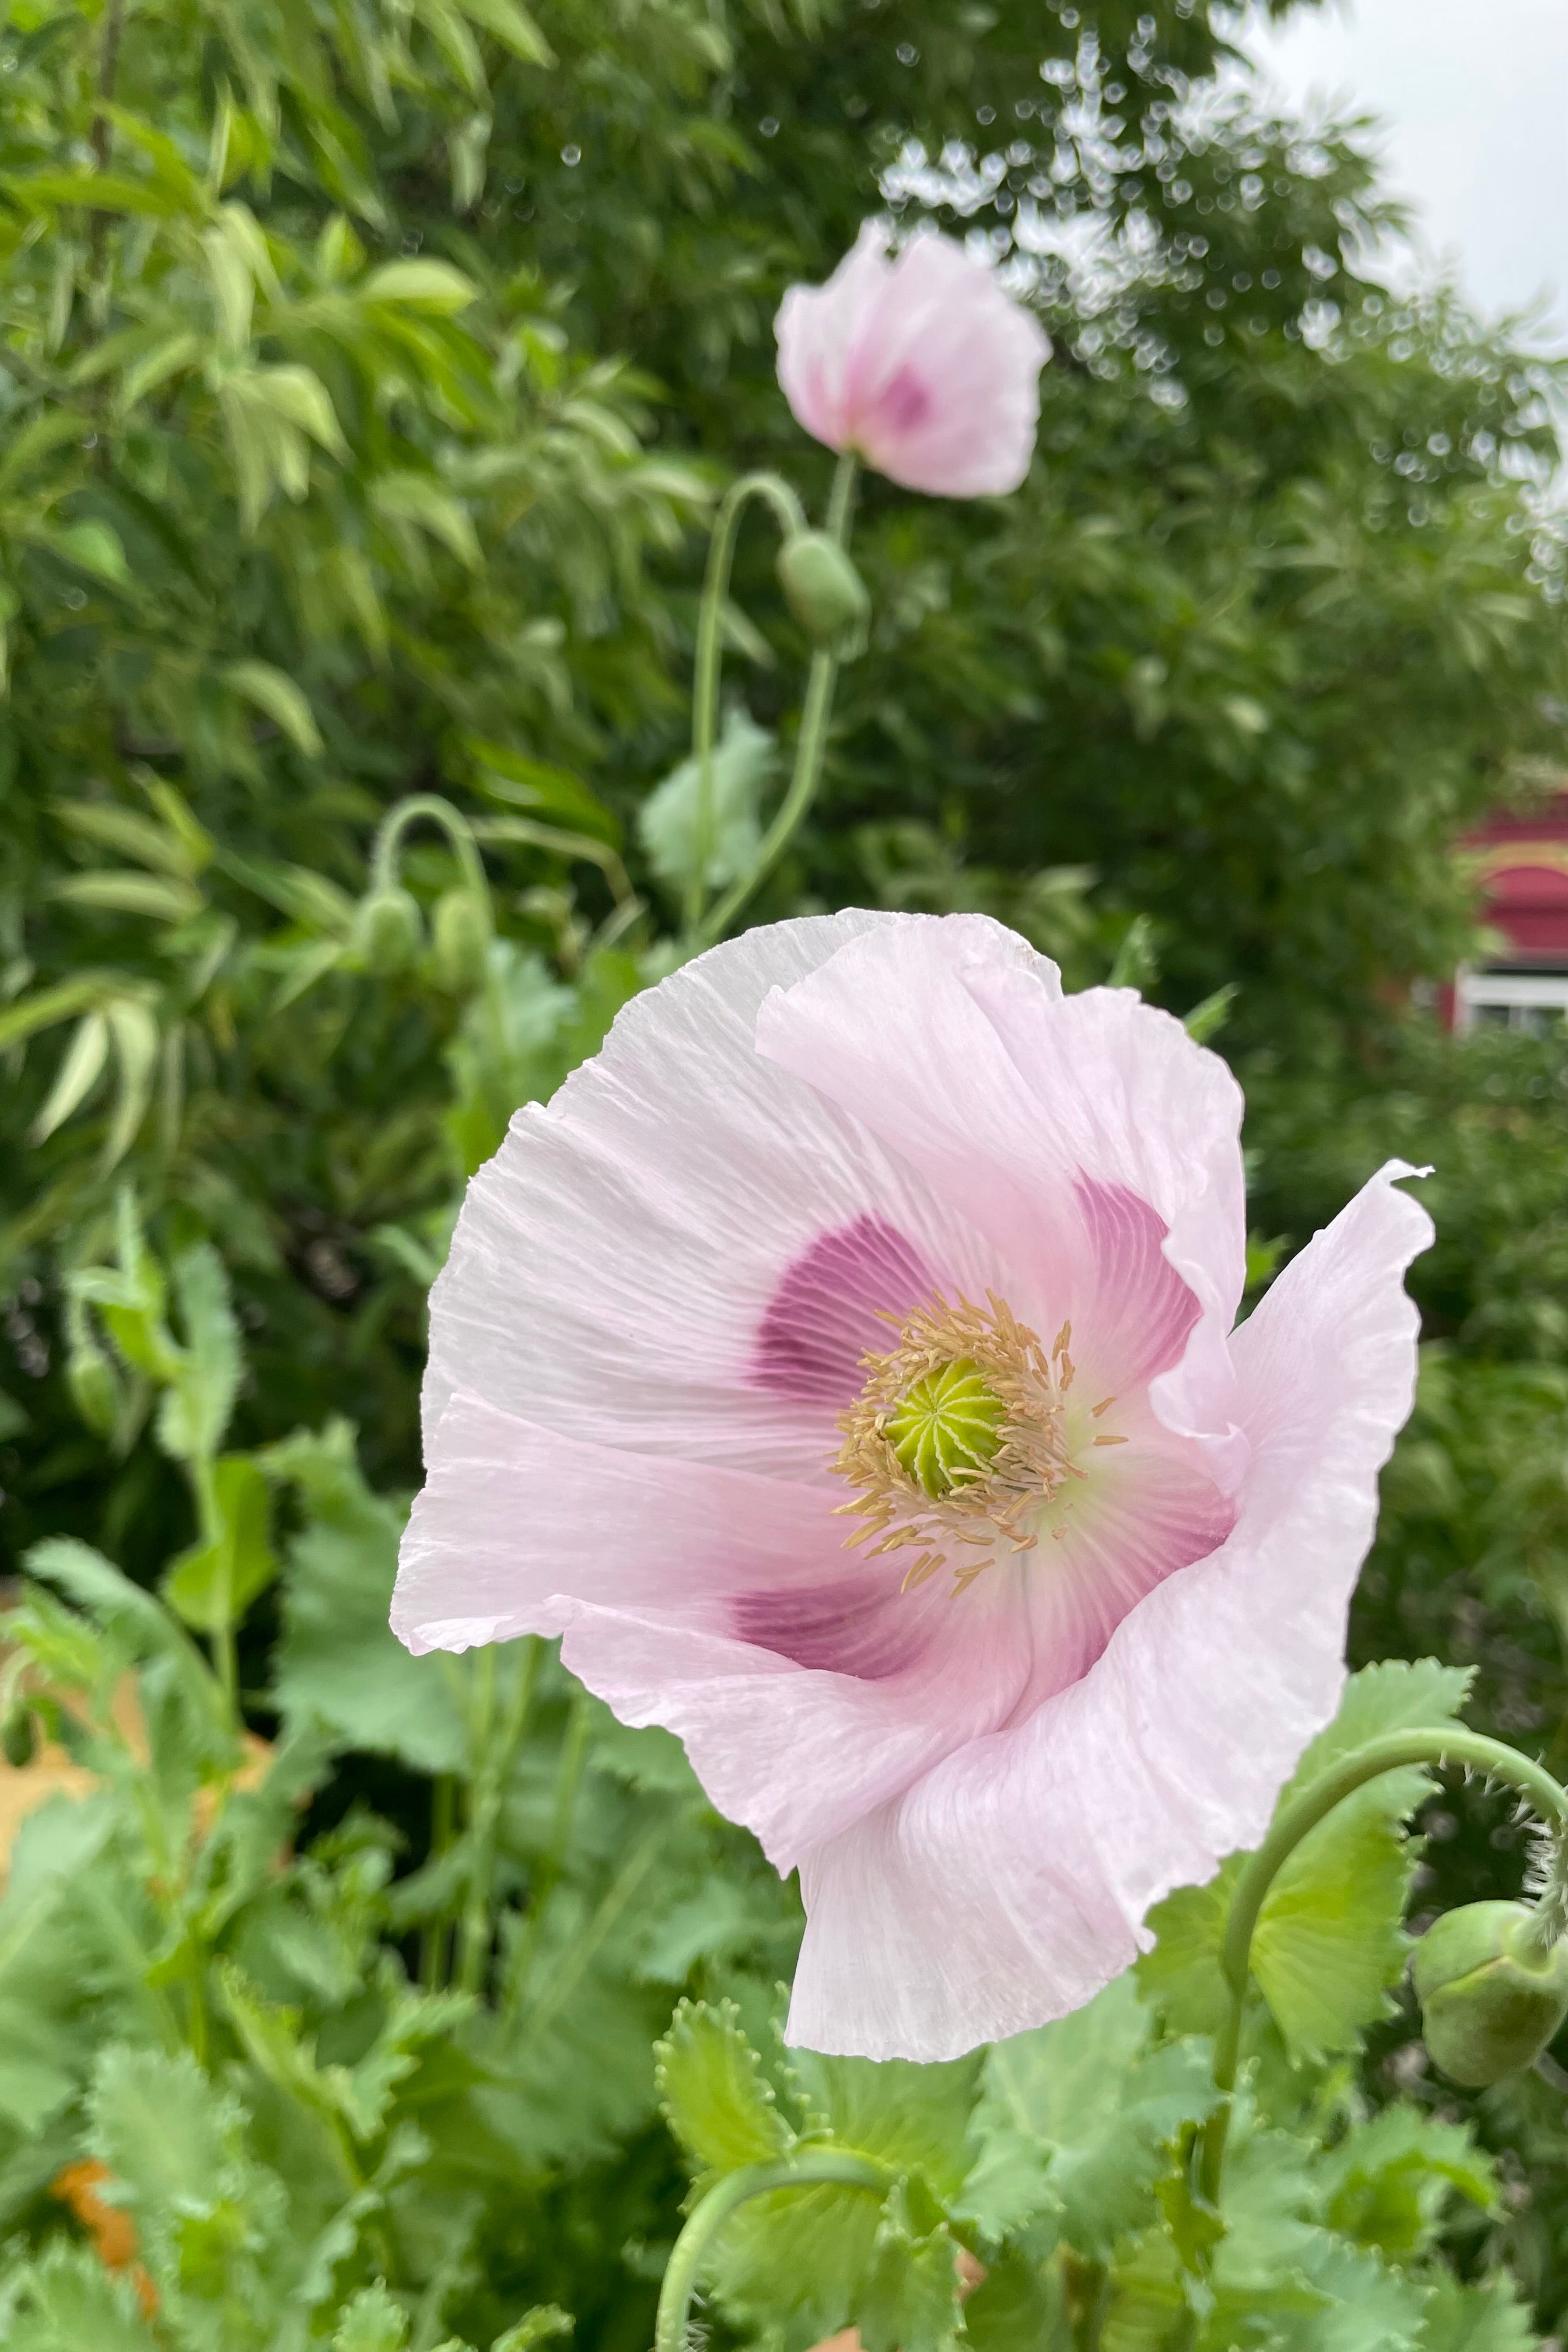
<point x="112" y="2231"/>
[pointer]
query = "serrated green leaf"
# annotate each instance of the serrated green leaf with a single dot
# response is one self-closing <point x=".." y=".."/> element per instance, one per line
<point x="1386" y="2182"/>
<point x="373" y="2322"/>
<point x="67" y="2302"/>
<point x="1077" y="2119"/>
<point x="1329" y="1940"/>
<point x="1491" y="2317"/>
<point x="718" y="2101"/>
<point x="908" y="2302"/>
<point x="743" y="760"/>
<point x="166" y="2132"/>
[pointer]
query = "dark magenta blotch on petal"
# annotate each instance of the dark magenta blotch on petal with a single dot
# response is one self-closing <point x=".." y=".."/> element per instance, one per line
<point x="903" y="402"/>
<point x="823" y="1317"/>
<point x="1143" y="1312"/>
<point x="855" y="1628"/>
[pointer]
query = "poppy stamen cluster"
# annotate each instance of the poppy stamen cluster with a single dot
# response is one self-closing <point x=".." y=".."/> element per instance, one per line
<point x="962" y="1437"/>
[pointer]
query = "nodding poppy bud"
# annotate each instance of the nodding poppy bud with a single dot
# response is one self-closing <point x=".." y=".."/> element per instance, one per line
<point x="94" y="1385"/>
<point x="1492" y="1997"/>
<point x="461" y="934"/>
<point x="19" y="1736"/>
<point x="824" y="591"/>
<point x="388" y="932"/>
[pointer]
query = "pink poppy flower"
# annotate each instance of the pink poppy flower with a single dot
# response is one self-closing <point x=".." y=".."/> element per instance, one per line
<point x="857" y="1227"/>
<point x="922" y="364"/>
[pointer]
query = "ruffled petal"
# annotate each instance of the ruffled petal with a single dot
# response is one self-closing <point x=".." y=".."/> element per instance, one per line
<point x="1011" y="1882"/>
<point x="622" y="1266"/>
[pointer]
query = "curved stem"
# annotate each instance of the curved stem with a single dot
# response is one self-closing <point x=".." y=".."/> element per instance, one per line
<point x="1436" y="1745"/>
<point x="790" y="515"/>
<point x="809" y="749"/>
<point x="453" y="823"/>
<point x="805" y="2170"/>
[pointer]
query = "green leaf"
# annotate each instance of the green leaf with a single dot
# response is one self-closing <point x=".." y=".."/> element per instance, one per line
<point x="338" y="1661"/>
<point x="165" y="2131"/>
<point x="212" y="1584"/>
<point x="1386" y="2182"/>
<point x="717" y="2102"/>
<point x="67" y="2302"/>
<point x="910" y="2299"/>
<point x="743" y="761"/>
<point x="96" y="548"/>
<point x="163" y="898"/>
<point x="434" y="287"/>
<point x="1489" y="2317"/>
<point x="409" y="498"/>
<point x="371" y="2322"/>
<point x="281" y="700"/>
<point x="80" y="1069"/>
<point x="1078" y="2118"/>
<point x="1329" y="1940"/>
<point x="513" y="26"/>
<point x="511" y="776"/>
<point x="540" y="2326"/>
<point x="65" y="998"/>
<point x="206" y="1380"/>
<point x="136" y="1045"/>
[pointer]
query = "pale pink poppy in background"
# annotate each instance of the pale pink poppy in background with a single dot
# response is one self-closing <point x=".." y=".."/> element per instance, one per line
<point x="922" y="364"/>
<point x="858" y="1227"/>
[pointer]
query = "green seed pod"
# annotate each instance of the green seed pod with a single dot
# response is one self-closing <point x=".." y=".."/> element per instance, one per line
<point x="946" y="1431"/>
<point x="19" y="1736"/>
<point x="823" y="589"/>
<point x="460" y="934"/>
<point x="94" y="1384"/>
<point x="387" y="930"/>
<point x="1490" y="1999"/>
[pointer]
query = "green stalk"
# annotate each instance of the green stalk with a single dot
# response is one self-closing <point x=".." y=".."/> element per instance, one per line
<point x="1394" y="1751"/>
<point x="809" y="749"/>
<point x="433" y="1937"/>
<point x="790" y="515"/>
<point x="494" y="1763"/>
<point x="574" y="1760"/>
<point x="453" y="823"/>
<point x="807" y="2170"/>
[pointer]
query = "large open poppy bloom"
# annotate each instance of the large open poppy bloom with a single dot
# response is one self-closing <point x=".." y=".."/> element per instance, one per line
<point x="843" y="1363"/>
<point x="924" y="364"/>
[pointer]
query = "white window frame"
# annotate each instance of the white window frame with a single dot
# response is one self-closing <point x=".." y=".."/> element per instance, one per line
<point x="1518" y="994"/>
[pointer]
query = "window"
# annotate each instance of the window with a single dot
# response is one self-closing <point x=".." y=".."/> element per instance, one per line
<point x="1534" y="1001"/>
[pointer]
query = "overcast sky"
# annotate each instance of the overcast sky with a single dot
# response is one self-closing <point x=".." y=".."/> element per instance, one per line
<point x="1474" y="96"/>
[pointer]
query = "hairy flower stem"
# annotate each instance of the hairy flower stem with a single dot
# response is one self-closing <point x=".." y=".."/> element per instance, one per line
<point x="810" y="746"/>
<point x="452" y="822"/>
<point x="1300" y="1816"/>
<point x="790" y="515"/>
<point x="493" y="1761"/>
<point x="807" y="2170"/>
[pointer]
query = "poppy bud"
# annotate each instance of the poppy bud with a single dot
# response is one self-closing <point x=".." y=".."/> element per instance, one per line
<point x="386" y="931"/>
<point x="1492" y="1999"/>
<point x="460" y="933"/>
<point x="823" y="589"/>
<point x="19" y="1737"/>
<point x="94" y="1385"/>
